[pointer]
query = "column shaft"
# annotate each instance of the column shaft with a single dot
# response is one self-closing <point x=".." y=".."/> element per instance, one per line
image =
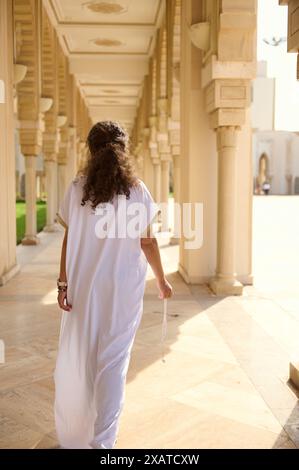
<point x="61" y="173"/>
<point x="176" y="191"/>
<point x="157" y="181"/>
<point x="164" y="180"/>
<point x="176" y="177"/>
<point x="72" y="157"/>
<point x="165" y="193"/>
<point x="225" y="281"/>
<point x="51" y="190"/>
<point x="30" y="189"/>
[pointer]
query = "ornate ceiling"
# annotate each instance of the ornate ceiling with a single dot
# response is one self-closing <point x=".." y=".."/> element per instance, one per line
<point x="108" y="43"/>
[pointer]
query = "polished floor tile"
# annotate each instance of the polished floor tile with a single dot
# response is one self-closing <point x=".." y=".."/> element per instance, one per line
<point x="212" y="383"/>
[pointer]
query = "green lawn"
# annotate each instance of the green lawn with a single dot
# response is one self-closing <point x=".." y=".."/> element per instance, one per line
<point x="41" y="214"/>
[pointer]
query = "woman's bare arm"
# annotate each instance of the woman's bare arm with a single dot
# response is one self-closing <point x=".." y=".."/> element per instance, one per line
<point x="62" y="275"/>
<point x="151" y="251"/>
<point x="62" y="296"/>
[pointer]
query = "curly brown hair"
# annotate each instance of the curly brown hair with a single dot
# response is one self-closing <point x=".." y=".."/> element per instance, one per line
<point x="109" y="170"/>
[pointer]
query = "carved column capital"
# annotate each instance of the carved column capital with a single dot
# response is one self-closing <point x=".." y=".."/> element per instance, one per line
<point x="51" y="145"/>
<point x="156" y="161"/>
<point x="226" y="137"/>
<point x="153" y="146"/>
<point x="63" y="146"/>
<point x="31" y="136"/>
<point x="162" y="104"/>
<point x="152" y="121"/>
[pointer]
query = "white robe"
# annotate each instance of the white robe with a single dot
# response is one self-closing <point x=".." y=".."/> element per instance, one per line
<point x="106" y="281"/>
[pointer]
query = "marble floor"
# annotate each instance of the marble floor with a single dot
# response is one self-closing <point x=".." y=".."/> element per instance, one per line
<point x="219" y="380"/>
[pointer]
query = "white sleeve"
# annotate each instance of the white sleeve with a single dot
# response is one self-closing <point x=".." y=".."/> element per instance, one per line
<point x="63" y="213"/>
<point x="151" y="207"/>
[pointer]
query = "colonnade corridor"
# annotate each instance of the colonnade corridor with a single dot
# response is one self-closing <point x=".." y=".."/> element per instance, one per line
<point x="223" y="382"/>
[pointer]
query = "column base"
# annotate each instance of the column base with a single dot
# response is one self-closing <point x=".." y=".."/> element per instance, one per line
<point x="246" y="280"/>
<point x="190" y="279"/>
<point x="294" y="373"/>
<point x="30" y="240"/>
<point x="174" y="241"/>
<point x="226" y="287"/>
<point x="51" y="228"/>
<point x="5" y="277"/>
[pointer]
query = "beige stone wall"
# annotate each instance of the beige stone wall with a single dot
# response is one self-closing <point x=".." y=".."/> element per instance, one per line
<point x="198" y="153"/>
<point x="7" y="146"/>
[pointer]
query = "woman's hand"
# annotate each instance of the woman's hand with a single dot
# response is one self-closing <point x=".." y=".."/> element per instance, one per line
<point x="165" y="289"/>
<point x="62" y="301"/>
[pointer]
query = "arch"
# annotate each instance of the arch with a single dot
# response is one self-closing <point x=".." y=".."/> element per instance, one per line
<point x="263" y="171"/>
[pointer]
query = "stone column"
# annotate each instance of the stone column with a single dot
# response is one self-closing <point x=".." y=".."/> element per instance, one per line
<point x="65" y="96"/>
<point x="176" y="188"/>
<point x="30" y="101"/>
<point x="147" y="162"/>
<point x="50" y="150"/>
<point x="139" y="159"/>
<point x="174" y="15"/>
<point x="8" y="265"/>
<point x="165" y="168"/>
<point x="153" y="148"/>
<point x="30" y="192"/>
<point x="72" y="167"/>
<point x="81" y="149"/>
<point x="164" y="154"/>
<point x="72" y="161"/>
<point x="227" y="64"/>
<point x="31" y="133"/>
<point x="38" y="184"/>
<point x="62" y="180"/>
<point x="157" y="179"/>
<point x="42" y="183"/>
<point x="174" y="137"/>
<point x="225" y="280"/>
<point x="140" y="166"/>
<point x="18" y="184"/>
<point x="176" y="177"/>
<point x="51" y="190"/>
<point x="62" y="158"/>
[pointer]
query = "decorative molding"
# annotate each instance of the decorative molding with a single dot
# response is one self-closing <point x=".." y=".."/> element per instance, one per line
<point x="227" y="117"/>
<point x="57" y="15"/>
<point x="200" y="34"/>
<point x="229" y="64"/>
<point x="19" y="73"/>
<point x="231" y="93"/>
<point x="61" y="120"/>
<point x="45" y="104"/>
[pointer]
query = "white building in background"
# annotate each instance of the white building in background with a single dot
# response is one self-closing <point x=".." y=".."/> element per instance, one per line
<point x="275" y="106"/>
<point x="275" y="152"/>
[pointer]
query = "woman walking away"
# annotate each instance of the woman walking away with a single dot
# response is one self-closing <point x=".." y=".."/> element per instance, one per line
<point x="104" y="256"/>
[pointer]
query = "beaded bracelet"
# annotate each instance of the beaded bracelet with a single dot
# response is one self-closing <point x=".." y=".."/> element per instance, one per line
<point x="62" y="288"/>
